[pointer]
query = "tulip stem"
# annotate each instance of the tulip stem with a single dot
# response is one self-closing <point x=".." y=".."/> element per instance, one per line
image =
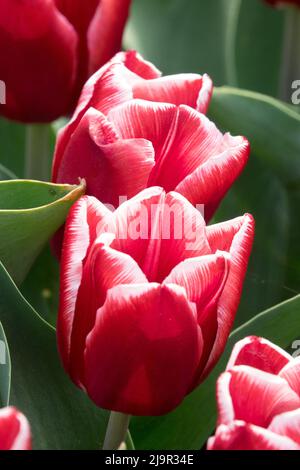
<point x="116" y="430"/>
<point x="290" y="66"/>
<point x="37" y="162"/>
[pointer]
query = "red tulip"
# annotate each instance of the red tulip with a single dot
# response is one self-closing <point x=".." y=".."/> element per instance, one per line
<point x="258" y="399"/>
<point x="49" y="48"/>
<point x="14" y="430"/>
<point x="134" y="129"/>
<point x="148" y="296"/>
<point x="283" y="2"/>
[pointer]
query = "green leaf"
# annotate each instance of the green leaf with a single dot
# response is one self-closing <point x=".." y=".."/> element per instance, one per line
<point x="192" y="34"/>
<point x="258" y="47"/>
<point x="269" y="189"/>
<point x="61" y="416"/>
<point x="271" y="127"/>
<point x="237" y="42"/>
<point x="189" y="426"/>
<point x="30" y="213"/>
<point x="5" y="369"/>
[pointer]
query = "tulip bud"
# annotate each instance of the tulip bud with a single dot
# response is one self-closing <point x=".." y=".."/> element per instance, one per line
<point x="148" y="296"/>
<point x="14" y="430"/>
<point x="258" y="399"/>
<point x="49" y="48"/>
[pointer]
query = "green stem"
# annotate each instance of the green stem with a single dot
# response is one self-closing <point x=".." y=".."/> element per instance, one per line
<point x="129" y="441"/>
<point x="37" y="164"/>
<point x="290" y="66"/>
<point x="116" y="430"/>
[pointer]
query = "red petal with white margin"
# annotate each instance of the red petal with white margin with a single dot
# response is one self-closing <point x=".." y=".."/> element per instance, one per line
<point x="235" y="237"/>
<point x="111" y="167"/>
<point x="159" y="231"/>
<point x="203" y="279"/>
<point x="259" y="353"/>
<point x="287" y="424"/>
<point x="254" y="396"/>
<point x="244" y="436"/>
<point x="14" y="430"/>
<point x="107" y="88"/>
<point x="193" y="140"/>
<point x="104" y="268"/>
<point x="80" y="232"/>
<point x="143" y="350"/>
<point x="291" y="373"/>
<point x="189" y="89"/>
<point x="209" y="183"/>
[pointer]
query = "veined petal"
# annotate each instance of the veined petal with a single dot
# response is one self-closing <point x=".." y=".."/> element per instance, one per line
<point x="254" y="396"/>
<point x="287" y="424"/>
<point x="112" y="168"/>
<point x="80" y="232"/>
<point x="259" y="353"/>
<point x="291" y="373"/>
<point x="209" y="183"/>
<point x="189" y="89"/>
<point x="192" y="141"/>
<point x="104" y="268"/>
<point x="203" y="279"/>
<point x="235" y="237"/>
<point x="159" y="231"/>
<point x="143" y="350"/>
<point x="244" y="436"/>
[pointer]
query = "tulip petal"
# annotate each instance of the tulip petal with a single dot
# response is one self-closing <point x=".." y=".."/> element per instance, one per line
<point x="41" y="44"/>
<point x="193" y="140"/>
<point x="106" y="31"/>
<point x="203" y="279"/>
<point x="159" y="231"/>
<point x="235" y="237"/>
<point x="259" y="353"/>
<point x="80" y="232"/>
<point x="14" y="430"/>
<point x="189" y="89"/>
<point x="254" y="396"/>
<point x="244" y="436"/>
<point x="106" y="89"/>
<point x="112" y="168"/>
<point x="291" y="373"/>
<point x="104" y="268"/>
<point x="209" y="183"/>
<point x="80" y="15"/>
<point x="287" y="424"/>
<point x="143" y="350"/>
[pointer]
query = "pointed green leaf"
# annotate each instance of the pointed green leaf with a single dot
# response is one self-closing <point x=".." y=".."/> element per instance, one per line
<point x="30" y="213"/>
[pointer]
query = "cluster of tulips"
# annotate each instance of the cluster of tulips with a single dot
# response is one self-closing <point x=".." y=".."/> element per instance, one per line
<point x="149" y="289"/>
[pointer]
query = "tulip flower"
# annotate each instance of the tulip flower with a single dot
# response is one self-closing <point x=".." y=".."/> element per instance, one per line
<point x="258" y="399"/>
<point x="49" y="48"/>
<point x="14" y="430"/>
<point x="148" y="295"/>
<point x="134" y="129"/>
